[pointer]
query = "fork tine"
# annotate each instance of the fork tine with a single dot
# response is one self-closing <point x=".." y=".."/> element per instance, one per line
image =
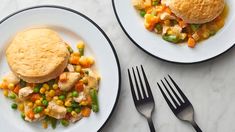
<point x="137" y="85"/>
<point x="132" y="87"/>
<point x="146" y="83"/>
<point x="167" y="100"/>
<point x="141" y="83"/>
<point x="172" y="98"/>
<point x="179" y="90"/>
<point x="180" y="101"/>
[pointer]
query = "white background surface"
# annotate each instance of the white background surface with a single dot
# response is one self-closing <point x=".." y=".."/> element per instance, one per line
<point x="210" y="86"/>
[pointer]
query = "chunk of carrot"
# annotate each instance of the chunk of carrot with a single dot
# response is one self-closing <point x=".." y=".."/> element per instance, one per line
<point x="86" y="112"/>
<point x="30" y="114"/>
<point x="16" y="89"/>
<point x="191" y="43"/>
<point x="35" y="97"/>
<point x="79" y="86"/>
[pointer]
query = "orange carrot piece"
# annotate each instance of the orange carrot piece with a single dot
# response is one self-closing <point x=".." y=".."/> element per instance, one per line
<point x="35" y="97"/>
<point x="16" y="89"/>
<point x="86" y="112"/>
<point x="79" y="86"/>
<point x="4" y="85"/>
<point x="191" y="43"/>
<point x="30" y="114"/>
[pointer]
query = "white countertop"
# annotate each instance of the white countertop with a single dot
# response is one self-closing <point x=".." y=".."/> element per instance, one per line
<point x="210" y="86"/>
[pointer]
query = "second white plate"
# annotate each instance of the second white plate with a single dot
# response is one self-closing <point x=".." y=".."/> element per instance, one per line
<point x="132" y="24"/>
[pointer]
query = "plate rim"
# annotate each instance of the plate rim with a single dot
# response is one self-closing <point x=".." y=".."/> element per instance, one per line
<point x="99" y="28"/>
<point x="157" y="57"/>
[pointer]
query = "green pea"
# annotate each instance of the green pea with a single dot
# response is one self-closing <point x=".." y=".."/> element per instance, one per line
<point x="22" y="116"/>
<point x="195" y="27"/>
<point x="74" y="93"/>
<point x="69" y="109"/>
<point x="38" y="109"/>
<point x="12" y="96"/>
<point x="171" y="38"/>
<point x="36" y="89"/>
<point x="14" y="106"/>
<point x="45" y="102"/>
<point x="142" y="13"/>
<point x="77" y="110"/>
<point x="61" y="97"/>
<point x="64" y="122"/>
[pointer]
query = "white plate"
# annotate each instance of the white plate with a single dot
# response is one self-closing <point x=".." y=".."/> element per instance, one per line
<point x="132" y="24"/>
<point x="72" y="26"/>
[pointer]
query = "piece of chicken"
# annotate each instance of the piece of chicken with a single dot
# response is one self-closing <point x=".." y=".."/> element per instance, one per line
<point x="76" y="118"/>
<point x="12" y="78"/>
<point x="92" y="78"/>
<point x="56" y="111"/>
<point x="167" y="16"/>
<point x="37" y="117"/>
<point x="24" y="92"/>
<point x="81" y="96"/>
<point x="70" y="68"/>
<point x="72" y="78"/>
<point x="141" y="4"/>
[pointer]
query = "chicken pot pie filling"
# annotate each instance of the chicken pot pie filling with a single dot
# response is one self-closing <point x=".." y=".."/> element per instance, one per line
<point x="66" y="99"/>
<point x="159" y="18"/>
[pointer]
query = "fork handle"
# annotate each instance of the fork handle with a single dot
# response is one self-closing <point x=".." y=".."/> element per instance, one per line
<point x="196" y="127"/>
<point x="151" y="126"/>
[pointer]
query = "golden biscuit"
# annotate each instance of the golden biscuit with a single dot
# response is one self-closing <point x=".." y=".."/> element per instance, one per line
<point x="37" y="55"/>
<point x="197" y="11"/>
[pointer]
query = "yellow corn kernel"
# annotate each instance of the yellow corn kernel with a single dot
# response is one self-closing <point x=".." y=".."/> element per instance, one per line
<point x="46" y="86"/>
<point x="5" y="93"/>
<point x="55" y="86"/>
<point x="55" y="98"/>
<point x="4" y="80"/>
<point x="44" y="124"/>
<point x="38" y="102"/>
<point x="80" y="45"/>
<point x="30" y="104"/>
<point x="59" y="102"/>
<point x="51" y="93"/>
<point x="42" y="90"/>
<point x="68" y="103"/>
<point x="11" y="86"/>
<point x="84" y="103"/>
<point x="21" y="107"/>
<point x="46" y="111"/>
<point x="78" y="68"/>
<point x="90" y="60"/>
<point x="74" y="114"/>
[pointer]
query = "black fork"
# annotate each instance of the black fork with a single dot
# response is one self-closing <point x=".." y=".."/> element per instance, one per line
<point x="183" y="110"/>
<point x="144" y="104"/>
